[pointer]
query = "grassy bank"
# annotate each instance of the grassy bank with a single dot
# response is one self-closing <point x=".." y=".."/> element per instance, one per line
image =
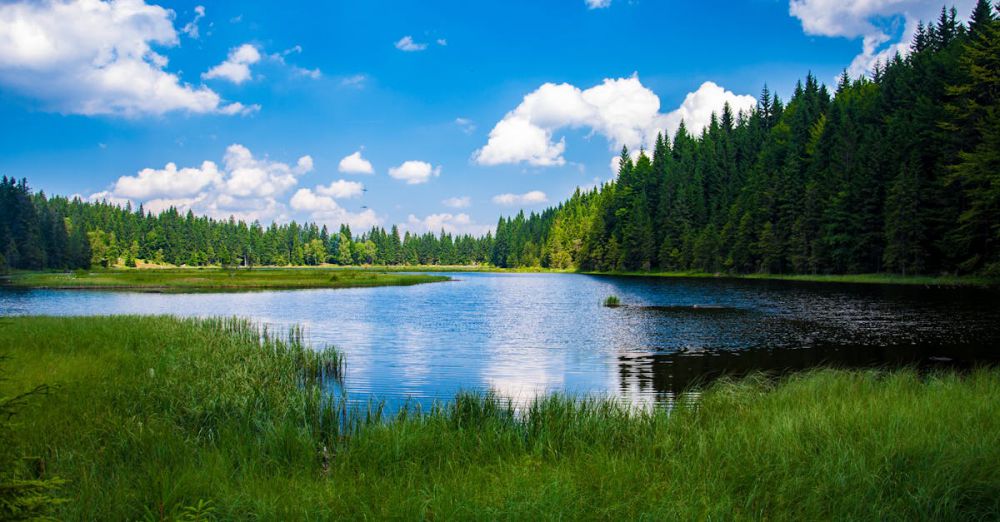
<point x="154" y="417"/>
<point x="216" y="279"/>
<point x="881" y="279"/>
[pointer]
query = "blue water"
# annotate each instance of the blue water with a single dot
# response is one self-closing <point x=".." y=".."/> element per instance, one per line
<point x="525" y="334"/>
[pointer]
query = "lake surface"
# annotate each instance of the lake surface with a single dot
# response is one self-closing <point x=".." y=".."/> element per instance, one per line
<point x="524" y="334"/>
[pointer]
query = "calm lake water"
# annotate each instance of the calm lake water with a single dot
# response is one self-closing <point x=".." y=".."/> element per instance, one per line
<point x="523" y="334"/>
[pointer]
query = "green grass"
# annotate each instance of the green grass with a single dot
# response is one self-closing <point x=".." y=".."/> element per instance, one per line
<point x="612" y="301"/>
<point x="152" y="416"/>
<point x="882" y="279"/>
<point x="216" y="279"/>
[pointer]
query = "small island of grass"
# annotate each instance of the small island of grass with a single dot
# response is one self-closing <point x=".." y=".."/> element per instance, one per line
<point x="215" y="279"/>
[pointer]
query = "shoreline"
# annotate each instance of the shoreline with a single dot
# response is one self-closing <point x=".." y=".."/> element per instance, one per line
<point x="870" y="279"/>
<point x="233" y="419"/>
<point x="180" y="280"/>
<point x="257" y="278"/>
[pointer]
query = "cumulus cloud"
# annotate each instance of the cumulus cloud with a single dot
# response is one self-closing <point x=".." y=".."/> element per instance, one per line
<point x="191" y="28"/>
<point x="450" y="223"/>
<point x="245" y="186"/>
<point x="622" y="110"/>
<point x="253" y="177"/>
<point x="534" y="197"/>
<point x="407" y="44"/>
<point x="597" y="4"/>
<point x="236" y="67"/>
<point x="415" y="172"/>
<point x="458" y="202"/>
<point x="355" y="164"/>
<point x="341" y="189"/>
<point x="93" y="57"/>
<point x="324" y="210"/>
<point x="169" y="181"/>
<point x="871" y="20"/>
<point x="105" y="196"/>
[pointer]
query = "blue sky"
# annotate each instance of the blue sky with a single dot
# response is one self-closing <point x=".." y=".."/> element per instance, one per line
<point x="477" y="108"/>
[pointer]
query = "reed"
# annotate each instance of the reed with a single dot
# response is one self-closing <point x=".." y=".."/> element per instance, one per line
<point x="159" y="417"/>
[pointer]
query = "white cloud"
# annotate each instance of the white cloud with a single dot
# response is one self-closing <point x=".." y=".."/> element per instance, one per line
<point x="442" y="42"/>
<point x="623" y="110"/>
<point x="616" y="163"/>
<point x="304" y="164"/>
<point x="315" y="74"/>
<point x="698" y="106"/>
<point x="246" y="187"/>
<point x="324" y="210"/>
<point x="597" y="4"/>
<point x="872" y="21"/>
<point x="468" y="126"/>
<point x="407" y="44"/>
<point x="169" y="181"/>
<point x="341" y="189"/>
<point x="191" y="28"/>
<point x="515" y="139"/>
<point x="355" y="164"/>
<point x="279" y="58"/>
<point x="458" y="202"/>
<point x="450" y="223"/>
<point x="93" y="57"/>
<point x="236" y="68"/>
<point x="252" y="177"/>
<point x="356" y="81"/>
<point x="535" y="197"/>
<point x="104" y="196"/>
<point x="415" y="172"/>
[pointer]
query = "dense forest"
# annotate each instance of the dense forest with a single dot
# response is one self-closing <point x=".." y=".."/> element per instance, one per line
<point x="897" y="172"/>
<point x="40" y="232"/>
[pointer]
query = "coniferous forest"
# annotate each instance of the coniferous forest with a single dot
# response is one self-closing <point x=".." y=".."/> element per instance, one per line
<point x="896" y="172"/>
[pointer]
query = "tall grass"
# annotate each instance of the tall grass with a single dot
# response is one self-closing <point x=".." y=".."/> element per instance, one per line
<point x="157" y="417"/>
<point x="612" y="301"/>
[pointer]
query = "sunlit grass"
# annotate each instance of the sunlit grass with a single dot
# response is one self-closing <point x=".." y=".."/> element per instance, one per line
<point x="193" y="279"/>
<point x="151" y="416"/>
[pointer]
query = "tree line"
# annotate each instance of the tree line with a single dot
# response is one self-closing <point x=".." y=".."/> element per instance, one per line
<point x="37" y="232"/>
<point x="897" y="172"/>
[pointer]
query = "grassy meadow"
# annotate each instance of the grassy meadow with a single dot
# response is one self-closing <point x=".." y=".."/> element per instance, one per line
<point x="216" y="279"/>
<point x="167" y="418"/>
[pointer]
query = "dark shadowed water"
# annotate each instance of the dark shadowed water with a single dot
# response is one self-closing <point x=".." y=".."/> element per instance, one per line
<point x="523" y="334"/>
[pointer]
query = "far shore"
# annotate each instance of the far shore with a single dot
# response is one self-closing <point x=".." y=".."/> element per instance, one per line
<point x="214" y="279"/>
<point x="183" y="278"/>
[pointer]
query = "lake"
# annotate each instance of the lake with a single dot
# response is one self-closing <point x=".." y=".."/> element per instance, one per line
<point x="524" y="334"/>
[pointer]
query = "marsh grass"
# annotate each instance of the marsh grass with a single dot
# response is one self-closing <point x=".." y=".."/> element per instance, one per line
<point x="158" y="417"/>
<point x="216" y="279"/>
<point x="612" y="301"/>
